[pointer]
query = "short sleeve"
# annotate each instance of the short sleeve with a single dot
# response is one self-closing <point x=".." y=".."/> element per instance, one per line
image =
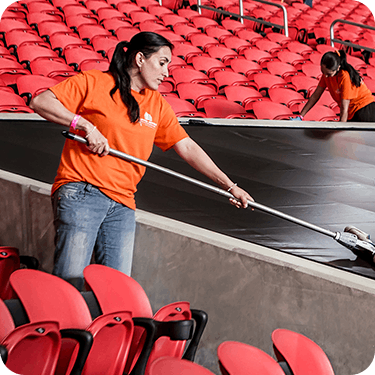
<point x="170" y="131"/>
<point x="72" y="92"/>
<point x="322" y="83"/>
<point x="347" y="90"/>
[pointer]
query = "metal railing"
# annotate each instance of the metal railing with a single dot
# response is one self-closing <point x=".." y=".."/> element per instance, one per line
<point x="350" y="44"/>
<point x="242" y="16"/>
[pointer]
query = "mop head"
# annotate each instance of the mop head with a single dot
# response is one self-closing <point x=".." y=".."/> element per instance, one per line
<point x="358" y="242"/>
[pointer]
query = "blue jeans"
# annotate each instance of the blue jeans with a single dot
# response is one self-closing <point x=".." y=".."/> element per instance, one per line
<point x="88" y="221"/>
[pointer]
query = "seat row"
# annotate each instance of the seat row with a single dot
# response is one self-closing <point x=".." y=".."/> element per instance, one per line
<point x="53" y="328"/>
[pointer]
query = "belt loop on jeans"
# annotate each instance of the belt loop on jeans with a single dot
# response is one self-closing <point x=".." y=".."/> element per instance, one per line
<point x="88" y="187"/>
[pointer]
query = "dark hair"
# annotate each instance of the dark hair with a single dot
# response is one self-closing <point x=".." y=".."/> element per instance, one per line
<point x="337" y="60"/>
<point x="145" y="42"/>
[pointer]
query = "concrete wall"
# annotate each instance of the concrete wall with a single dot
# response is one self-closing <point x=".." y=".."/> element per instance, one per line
<point x="247" y="290"/>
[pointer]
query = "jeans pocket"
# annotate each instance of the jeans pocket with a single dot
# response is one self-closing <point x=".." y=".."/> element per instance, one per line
<point x="75" y="191"/>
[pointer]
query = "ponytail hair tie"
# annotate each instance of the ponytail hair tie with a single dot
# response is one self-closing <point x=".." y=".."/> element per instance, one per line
<point x="338" y="52"/>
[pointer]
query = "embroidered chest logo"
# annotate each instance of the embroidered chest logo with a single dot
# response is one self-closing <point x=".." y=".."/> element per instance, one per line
<point x="147" y="120"/>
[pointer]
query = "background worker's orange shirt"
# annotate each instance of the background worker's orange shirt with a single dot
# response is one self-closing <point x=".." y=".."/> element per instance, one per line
<point x="340" y="87"/>
<point x="88" y="94"/>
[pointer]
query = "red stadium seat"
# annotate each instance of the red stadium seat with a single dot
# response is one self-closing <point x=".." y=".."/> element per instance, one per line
<point x="127" y="294"/>
<point x="207" y="65"/>
<point x="102" y="65"/>
<point x="32" y="85"/>
<point x="225" y="78"/>
<point x="249" y="35"/>
<point x="260" y="57"/>
<point x="203" y="41"/>
<point x="103" y="43"/>
<point x="48" y="28"/>
<point x="218" y="32"/>
<point x="222" y="53"/>
<point x="9" y="262"/>
<point x="303" y="355"/>
<point x="193" y="76"/>
<point x="286" y="96"/>
<point x="183" y="108"/>
<point x="241" y="94"/>
<point x="27" y="53"/>
<point x="223" y="108"/>
<point x="202" y="22"/>
<point x="52" y="69"/>
<point x="266" y="45"/>
<point x="312" y="70"/>
<point x="114" y="23"/>
<point x="236" y="358"/>
<point x="245" y="67"/>
<point x="15" y="38"/>
<point x="126" y="32"/>
<point x="171" y="20"/>
<point x="305" y="85"/>
<point x="87" y="32"/>
<point x="319" y="113"/>
<point x="60" y="42"/>
<point x="31" y="349"/>
<point x="75" y="56"/>
<point x="237" y="44"/>
<point x="76" y="20"/>
<point x="271" y="111"/>
<point x="265" y="81"/>
<point x="185" y="30"/>
<point x="172" y="366"/>
<point x="186" y="51"/>
<point x="282" y="69"/>
<point x="195" y="93"/>
<point x="62" y="302"/>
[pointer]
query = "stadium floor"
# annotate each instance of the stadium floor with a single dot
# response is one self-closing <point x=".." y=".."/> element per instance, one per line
<point x="324" y="177"/>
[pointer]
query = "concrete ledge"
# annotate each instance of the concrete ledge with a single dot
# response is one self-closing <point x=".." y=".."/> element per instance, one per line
<point x="247" y="290"/>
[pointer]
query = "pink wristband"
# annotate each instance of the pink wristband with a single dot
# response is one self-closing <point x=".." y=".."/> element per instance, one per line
<point x="73" y="124"/>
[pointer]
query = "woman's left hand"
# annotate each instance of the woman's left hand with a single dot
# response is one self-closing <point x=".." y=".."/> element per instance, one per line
<point x="242" y="197"/>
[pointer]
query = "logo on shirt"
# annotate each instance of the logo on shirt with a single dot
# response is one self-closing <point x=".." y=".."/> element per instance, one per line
<point x="147" y="120"/>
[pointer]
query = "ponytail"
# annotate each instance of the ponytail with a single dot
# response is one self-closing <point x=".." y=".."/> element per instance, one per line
<point x="121" y="63"/>
<point x="337" y="60"/>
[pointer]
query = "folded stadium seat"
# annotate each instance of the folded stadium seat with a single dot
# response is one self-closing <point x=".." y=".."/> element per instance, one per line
<point x="32" y="85"/>
<point x="126" y="32"/>
<point x="186" y="51"/>
<point x="249" y="35"/>
<point x="222" y="53"/>
<point x="127" y="293"/>
<point x="315" y="57"/>
<point x="302" y="354"/>
<point x="237" y="358"/>
<point x="245" y="67"/>
<point x="202" y="22"/>
<point x="158" y="10"/>
<point x="292" y="58"/>
<point x="232" y="25"/>
<point x="203" y="41"/>
<point x="171" y="19"/>
<point x="356" y="62"/>
<point x="48" y="28"/>
<point x="303" y="49"/>
<point x="370" y="83"/>
<point x="278" y="38"/>
<point x="87" y="32"/>
<point x="80" y="19"/>
<point x="183" y="108"/>
<point x="195" y="93"/>
<point x="236" y="43"/>
<point x="14" y="38"/>
<point x="11" y="102"/>
<point x="150" y="25"/>
<point x="61" y="42"/>
<point x="259" y="56"/>
<point x="27" y="53"/>
<point x="186" y="30"/>
<point x="62" y="302"/>
<point x="218" y="32"/>
<point x="9" y="24"/>
<point x="176" y="62"/>
<point x="266" y="45"/>
<point x="9" y="262"/>
<point x="171" y="36"/>
<point x="225" y="78"/>
<point x="5" y="54"/>
<point x="265" y="81"/>
<point x="75" y="56"/>
<point x="95" y="5"/>
<point x="102" y="43"/>
<point x="112" y="24"/>
<point x="282" y="69"/>
<point x="267" y="110"/>
<point x="33" y="19"/>
<point x="44" y="7"/>
<point x="52" y="69"/>
<point x="10" y="70"/>
<point x="207" y="65"/>
<point x="138" y="17"/>
<point x="172" y="366"/>
<point x="59" y="4"/>
<point x="312" y="70"/>
<point x="128" y="7"/>
<point x="30" y="349"/>
<point x="241" y="94"/>
<point x="327" y="100"/>
<point x="224" y="108"/>
<point x="305" y="85"/>
<point x="70" y="10"/>
<point x="102" y="65"/>
<point x="111" y="14"/>
<point x="166" y="88"/>
<point x="319" y="112"/>
<point x="292" y="99"/>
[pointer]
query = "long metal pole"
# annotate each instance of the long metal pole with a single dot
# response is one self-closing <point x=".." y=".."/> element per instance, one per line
<point x="203" y="185"/>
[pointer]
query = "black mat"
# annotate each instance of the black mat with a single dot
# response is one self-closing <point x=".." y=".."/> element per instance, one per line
<point x="325" y="178"/>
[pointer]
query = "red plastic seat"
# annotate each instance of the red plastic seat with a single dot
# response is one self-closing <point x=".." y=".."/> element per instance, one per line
<point x="11" y="102"/>
<point x="183" y="108"/>
<point x="268" y="46"/>
<point x="202" y="22"/>
<point x="15" y="38"/>
<point x="303" y="355"/>
<point x="223" y="108"/>
<point x="126" y="293"/>
<point x="186" y="51"/>
<point x="186" y="31"/>
<point x="61" y="42"/>
<point x="87" y="32"/>
<point x="48" y="28"/>
<point x="47" y="297"/>
<point x="236" y="358"/>
<point x="28" y="53"/>
<point x="195" y="92"/>
<point x="320" y="113"/>
<point x="76" y="20"/>
<point x="237" y="44"/>
<point x="31" y="349"/>
<point x="289" y="97"/>
<point x="245" y="67"/>
<point x="52" y="69"/>
<point x="218" y="32"/>
<point x="170" y="19"/>
<point x="193" y="76"/>
<point x="259" y="56"/>
<point x="312" y="70"/>
<point x="126" y="32"/>
<point x="207" y="65"/>
<point x="282" y="69"/>
<point x="203" y="41"/>
<point x="9" y="262"/>
<point x="173" y="366"/>
<point x="271" y="111"/>
<point x="222" y="53"/>
<point x="75" y="56"/>
<point x="249" y="35"/>
<point x="241" y="94"/>
<point x="305" y="85"/>
<point x="266" y="81"/>
<point x="32" y="85"/>
<point x="225" y="78"/>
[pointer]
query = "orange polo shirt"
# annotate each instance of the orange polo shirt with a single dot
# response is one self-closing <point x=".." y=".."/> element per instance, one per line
<point x="340" y="87"/>
<point x="87" y="94"/>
